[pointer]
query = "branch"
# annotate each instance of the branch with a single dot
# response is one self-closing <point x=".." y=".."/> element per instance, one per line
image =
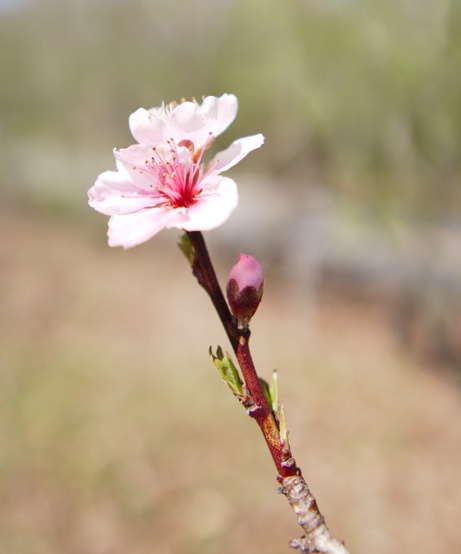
<point x="203" y="270"/>
<point x="317" y="538"/>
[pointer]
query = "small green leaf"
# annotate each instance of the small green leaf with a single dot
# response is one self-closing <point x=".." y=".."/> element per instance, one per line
<point x="266" y="390"/>
<point x="187" y="249"/>
<point x="283" y="429"/>
<point x="228" y="371"/>
<point x="271" y="392"/>
<point x="274" y="392"/>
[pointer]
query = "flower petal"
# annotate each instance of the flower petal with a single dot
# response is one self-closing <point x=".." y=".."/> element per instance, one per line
<point x="186" y="121"/>
<point x="197" y="122"/>
<point x="114" y="193"/>
<point x="132" y="229"/>
<point x="221" y="112"/>
<point x="213" y="207"/>
<point x="149" y="125"/>
<point x="236" y="152"/>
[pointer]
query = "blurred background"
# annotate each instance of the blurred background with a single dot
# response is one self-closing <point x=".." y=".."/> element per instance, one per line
<point x="116" y="433"/>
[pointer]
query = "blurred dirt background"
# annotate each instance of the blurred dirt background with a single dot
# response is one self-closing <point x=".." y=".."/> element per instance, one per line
<point x="116" y="433"/>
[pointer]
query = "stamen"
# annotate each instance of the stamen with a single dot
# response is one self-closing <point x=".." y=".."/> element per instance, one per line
<point x="172" y="185"/>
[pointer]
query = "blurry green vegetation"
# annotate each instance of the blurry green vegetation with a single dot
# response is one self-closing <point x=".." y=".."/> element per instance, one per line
<point x="359" y="95"/>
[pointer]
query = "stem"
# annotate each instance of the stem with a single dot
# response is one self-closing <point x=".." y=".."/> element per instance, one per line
<point x="263" y="414"/>
<point x="203" y="270"/>
<point x="317" y="538"/>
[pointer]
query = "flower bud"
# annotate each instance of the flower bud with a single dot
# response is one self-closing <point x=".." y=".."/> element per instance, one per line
<point x="245" y="289"/>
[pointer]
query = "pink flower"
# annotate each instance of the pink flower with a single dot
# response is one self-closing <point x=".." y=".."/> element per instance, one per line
<point x="162" y="182"/>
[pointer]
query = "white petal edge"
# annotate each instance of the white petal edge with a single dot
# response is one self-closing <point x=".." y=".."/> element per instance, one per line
<point x="227" y="111"/>
<point x="189" y="120"/>
<point x="134" y="229"/>
<point x="235" y="153"/>
<point x="113" y="193"/>
<point x="197" y="122"/>
<point x="148" y="126"/>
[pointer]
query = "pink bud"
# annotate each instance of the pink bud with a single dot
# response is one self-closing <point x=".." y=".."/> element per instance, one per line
<point x="245" y="288"/>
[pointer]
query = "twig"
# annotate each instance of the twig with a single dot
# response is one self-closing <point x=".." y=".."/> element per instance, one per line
<point x="317" y="538"/>
<point x="203" y="270"/>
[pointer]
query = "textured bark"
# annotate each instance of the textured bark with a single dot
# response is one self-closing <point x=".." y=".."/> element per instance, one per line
<point x="317" y="538"/>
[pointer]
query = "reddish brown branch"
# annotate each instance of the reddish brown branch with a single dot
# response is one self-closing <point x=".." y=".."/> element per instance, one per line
<point x="262" y="413"/>
<point x="317" y="538"/>
<point x="203" y="270"/>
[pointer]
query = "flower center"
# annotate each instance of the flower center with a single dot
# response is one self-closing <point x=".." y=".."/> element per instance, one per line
<point x="175" y="183"/>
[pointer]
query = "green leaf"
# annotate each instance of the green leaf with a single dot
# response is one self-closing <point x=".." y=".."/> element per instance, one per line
<point x="271" y="392"/>
<point x="274" y="393"/>
<point x="283" y="429"/>
<point x="227" y="370"/>
<point x="187" y="249"/>
<point x="266" y="390"/>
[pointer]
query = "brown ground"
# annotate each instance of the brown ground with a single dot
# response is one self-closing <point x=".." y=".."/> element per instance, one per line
<point x="117" y="435"/>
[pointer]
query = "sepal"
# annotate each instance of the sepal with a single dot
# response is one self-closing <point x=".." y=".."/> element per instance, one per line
<point x="187" y="249"/>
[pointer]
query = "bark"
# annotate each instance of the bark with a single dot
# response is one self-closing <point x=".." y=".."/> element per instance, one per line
<point x="317" y="538"/>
